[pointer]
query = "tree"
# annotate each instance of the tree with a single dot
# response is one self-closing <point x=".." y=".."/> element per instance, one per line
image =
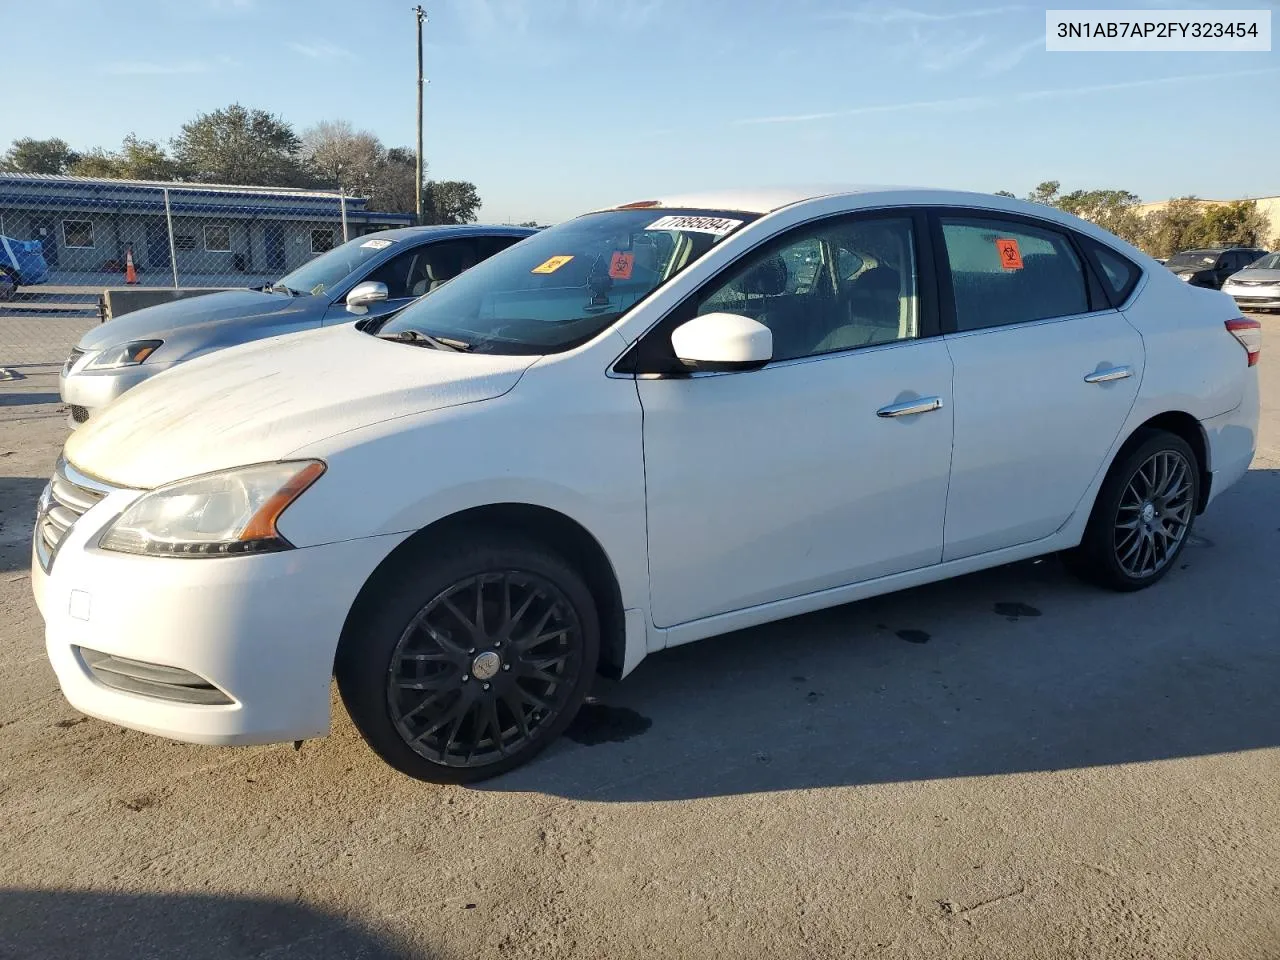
<point x="1113" y="210"/>
<point x="1046" y="192"/>
<point x="450" y="201"/>
<point x="239" y="145"/>
<point x="1178" y="225"/>
<point x="137" y="160"/>
<point x="393" y="190"/>
<point x="28" y="155"/>
<point x="342" y="156"/>
<point x="1239" y="223"/>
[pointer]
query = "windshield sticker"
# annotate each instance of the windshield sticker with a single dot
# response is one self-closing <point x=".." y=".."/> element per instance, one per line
<point x="552" y="264"/>
<point x="377" y="244"/>
<point x="718" y="226"/>
<point x="621" y="264"/>
<point x="1010" y="256"/>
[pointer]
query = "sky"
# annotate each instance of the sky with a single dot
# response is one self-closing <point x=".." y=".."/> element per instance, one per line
<point x="554" y="107"/>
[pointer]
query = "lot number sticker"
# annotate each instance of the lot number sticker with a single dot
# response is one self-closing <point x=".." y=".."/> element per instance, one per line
<point x="718" y="226"/>
<point x="621" y="264"/>
<point x="377" y="244"/>
<point x="552" y="264"/>
<point x="1010" y="256"/>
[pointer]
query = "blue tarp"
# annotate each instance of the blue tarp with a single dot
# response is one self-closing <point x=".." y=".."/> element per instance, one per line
<point x="24" y="260"/>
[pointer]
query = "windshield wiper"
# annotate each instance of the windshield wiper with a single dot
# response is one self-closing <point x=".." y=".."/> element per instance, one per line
<point x="420" y="339"/>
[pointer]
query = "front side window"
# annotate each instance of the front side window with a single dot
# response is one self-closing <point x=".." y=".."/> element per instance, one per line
<point x="1005" y="272"/>
<point x="217" y="238"/>
<point x="326" y="272"/>
<point x="837" y="285"/>
<point x="562" y="286"/>
<point x="77" y="233"/>
<point x="424" y="268"/>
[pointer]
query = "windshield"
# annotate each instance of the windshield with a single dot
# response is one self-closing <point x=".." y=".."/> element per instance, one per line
<point x="562" y="286"/>
<point x="328" y="270"/>
<point x="1192" y="258"/>
<point x="1270" y="262"/>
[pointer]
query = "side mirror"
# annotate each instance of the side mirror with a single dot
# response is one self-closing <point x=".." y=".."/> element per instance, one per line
<point x="722" y="342"/>
<point x="363" y="294"/>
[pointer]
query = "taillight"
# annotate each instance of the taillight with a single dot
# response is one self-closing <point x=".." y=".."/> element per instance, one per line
<point x="1249" y="333"/>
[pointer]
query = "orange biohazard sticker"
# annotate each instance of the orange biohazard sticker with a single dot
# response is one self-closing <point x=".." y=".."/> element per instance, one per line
<point x="1010" y="256"/>
<point x="621" y="264"/>
<point x="552" y="264"/>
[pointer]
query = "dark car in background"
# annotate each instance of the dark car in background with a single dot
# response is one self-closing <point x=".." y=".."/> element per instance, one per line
<point x="1210" y="266"/>
<point x="368" y="277"/>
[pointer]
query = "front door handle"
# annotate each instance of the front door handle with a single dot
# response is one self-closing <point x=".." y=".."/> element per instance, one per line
<point x="909" y="408"/>
<point x="1109" y="374"/>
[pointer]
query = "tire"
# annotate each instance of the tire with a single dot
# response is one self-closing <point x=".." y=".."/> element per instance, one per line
<point x="448" y="697"/>
<point x="1143" y="516"/>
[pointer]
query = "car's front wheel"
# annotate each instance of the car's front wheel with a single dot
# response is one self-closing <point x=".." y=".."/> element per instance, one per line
<point x="1143" y="515"/>
<point x="470" y="660"/>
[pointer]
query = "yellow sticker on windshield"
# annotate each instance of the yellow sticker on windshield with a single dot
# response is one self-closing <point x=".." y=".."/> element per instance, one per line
<point x="552" y="264"/>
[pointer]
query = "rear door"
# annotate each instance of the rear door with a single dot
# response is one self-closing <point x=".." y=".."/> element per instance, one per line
<point x="1046" y="372"/>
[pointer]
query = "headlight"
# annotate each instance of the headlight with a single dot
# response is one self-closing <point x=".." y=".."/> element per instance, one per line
<point x="218" y="514"/>
<point x="124" y="355"/>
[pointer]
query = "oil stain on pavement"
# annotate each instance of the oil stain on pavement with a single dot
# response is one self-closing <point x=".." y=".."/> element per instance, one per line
<point x="1015" y="611"/>
<point x="600" y="723"/>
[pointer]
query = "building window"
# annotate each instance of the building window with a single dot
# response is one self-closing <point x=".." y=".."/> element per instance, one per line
<point x="321" y="240"/>
<point x="217" y="238"/>
<point x="184" y="241"/>
<point x="77" y="233"/>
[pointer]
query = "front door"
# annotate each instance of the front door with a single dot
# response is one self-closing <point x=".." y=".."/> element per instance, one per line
<point x="799" y="477"/>
<point x="1044" y="382"/>
<point x="273" y="248"/>
<point x="158" y="246"/>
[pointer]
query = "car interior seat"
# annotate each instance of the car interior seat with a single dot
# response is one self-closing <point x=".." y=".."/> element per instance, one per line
<point x="440" y="265"/>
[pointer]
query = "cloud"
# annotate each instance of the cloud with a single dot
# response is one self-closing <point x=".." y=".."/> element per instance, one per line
<point x="970" y="103"/>
<point x="141" y="68"/>
<point x="878" y="13"/>
<point x="1010" y="57"/>
<point x="320" y="50"/>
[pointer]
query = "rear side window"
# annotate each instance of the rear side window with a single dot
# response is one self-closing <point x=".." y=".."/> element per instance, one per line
<point x="1119" y="274"/>
<point x="488" y="246"/>
<point x="1005" y="272"/>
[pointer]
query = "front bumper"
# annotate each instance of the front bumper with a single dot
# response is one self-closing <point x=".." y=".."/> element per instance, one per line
<point x="91" y="390"/>
<point x="262" y="629"/>
<point x="1254" y="298"/>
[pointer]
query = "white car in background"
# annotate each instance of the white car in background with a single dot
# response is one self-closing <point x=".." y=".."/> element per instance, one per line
<point x="1257" y="286"/>
<point x="641" y="427"/>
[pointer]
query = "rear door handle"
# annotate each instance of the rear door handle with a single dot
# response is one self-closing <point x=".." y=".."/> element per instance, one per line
<point x="909" y="408"/>
<point x="1109" y="374"/>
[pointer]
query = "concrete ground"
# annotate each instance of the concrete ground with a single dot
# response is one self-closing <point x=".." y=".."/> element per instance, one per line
<point x="1007" y="765"/>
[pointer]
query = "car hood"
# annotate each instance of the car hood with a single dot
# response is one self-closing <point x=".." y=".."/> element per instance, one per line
<point x="263" y="400"/>
<point x="154" y="323"/>
<point x="1257" y="276"/>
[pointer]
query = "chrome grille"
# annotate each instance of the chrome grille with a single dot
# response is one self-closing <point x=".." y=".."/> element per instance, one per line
<point x="67" y="497"/>
<point x="76" y="354"/>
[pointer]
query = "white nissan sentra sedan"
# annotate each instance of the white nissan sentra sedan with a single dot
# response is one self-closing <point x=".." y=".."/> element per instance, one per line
<point x="645" y="426"/>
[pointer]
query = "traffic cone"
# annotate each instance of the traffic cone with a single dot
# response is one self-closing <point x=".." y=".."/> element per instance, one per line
<point x="130" y="274"/>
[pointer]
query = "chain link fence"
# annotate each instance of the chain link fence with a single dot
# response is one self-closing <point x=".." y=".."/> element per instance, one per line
<point x="64" y="240"/>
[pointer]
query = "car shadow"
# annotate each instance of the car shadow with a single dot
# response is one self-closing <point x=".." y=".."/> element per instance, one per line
<point x="18" y="496"/>
<point x="75" y="924"/>
<point x="24" y="399"/>
<point x="1017" y="669"/>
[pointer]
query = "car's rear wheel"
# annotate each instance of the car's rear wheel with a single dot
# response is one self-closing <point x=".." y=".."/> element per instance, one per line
<point x="469" y="661"/>
<point x="1143" y="515"/>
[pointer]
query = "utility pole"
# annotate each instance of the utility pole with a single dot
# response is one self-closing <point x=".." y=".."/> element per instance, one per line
<point x="422" y="16"/>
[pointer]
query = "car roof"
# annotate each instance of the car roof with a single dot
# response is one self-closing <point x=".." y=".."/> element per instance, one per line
<point x="451" y="231"/>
